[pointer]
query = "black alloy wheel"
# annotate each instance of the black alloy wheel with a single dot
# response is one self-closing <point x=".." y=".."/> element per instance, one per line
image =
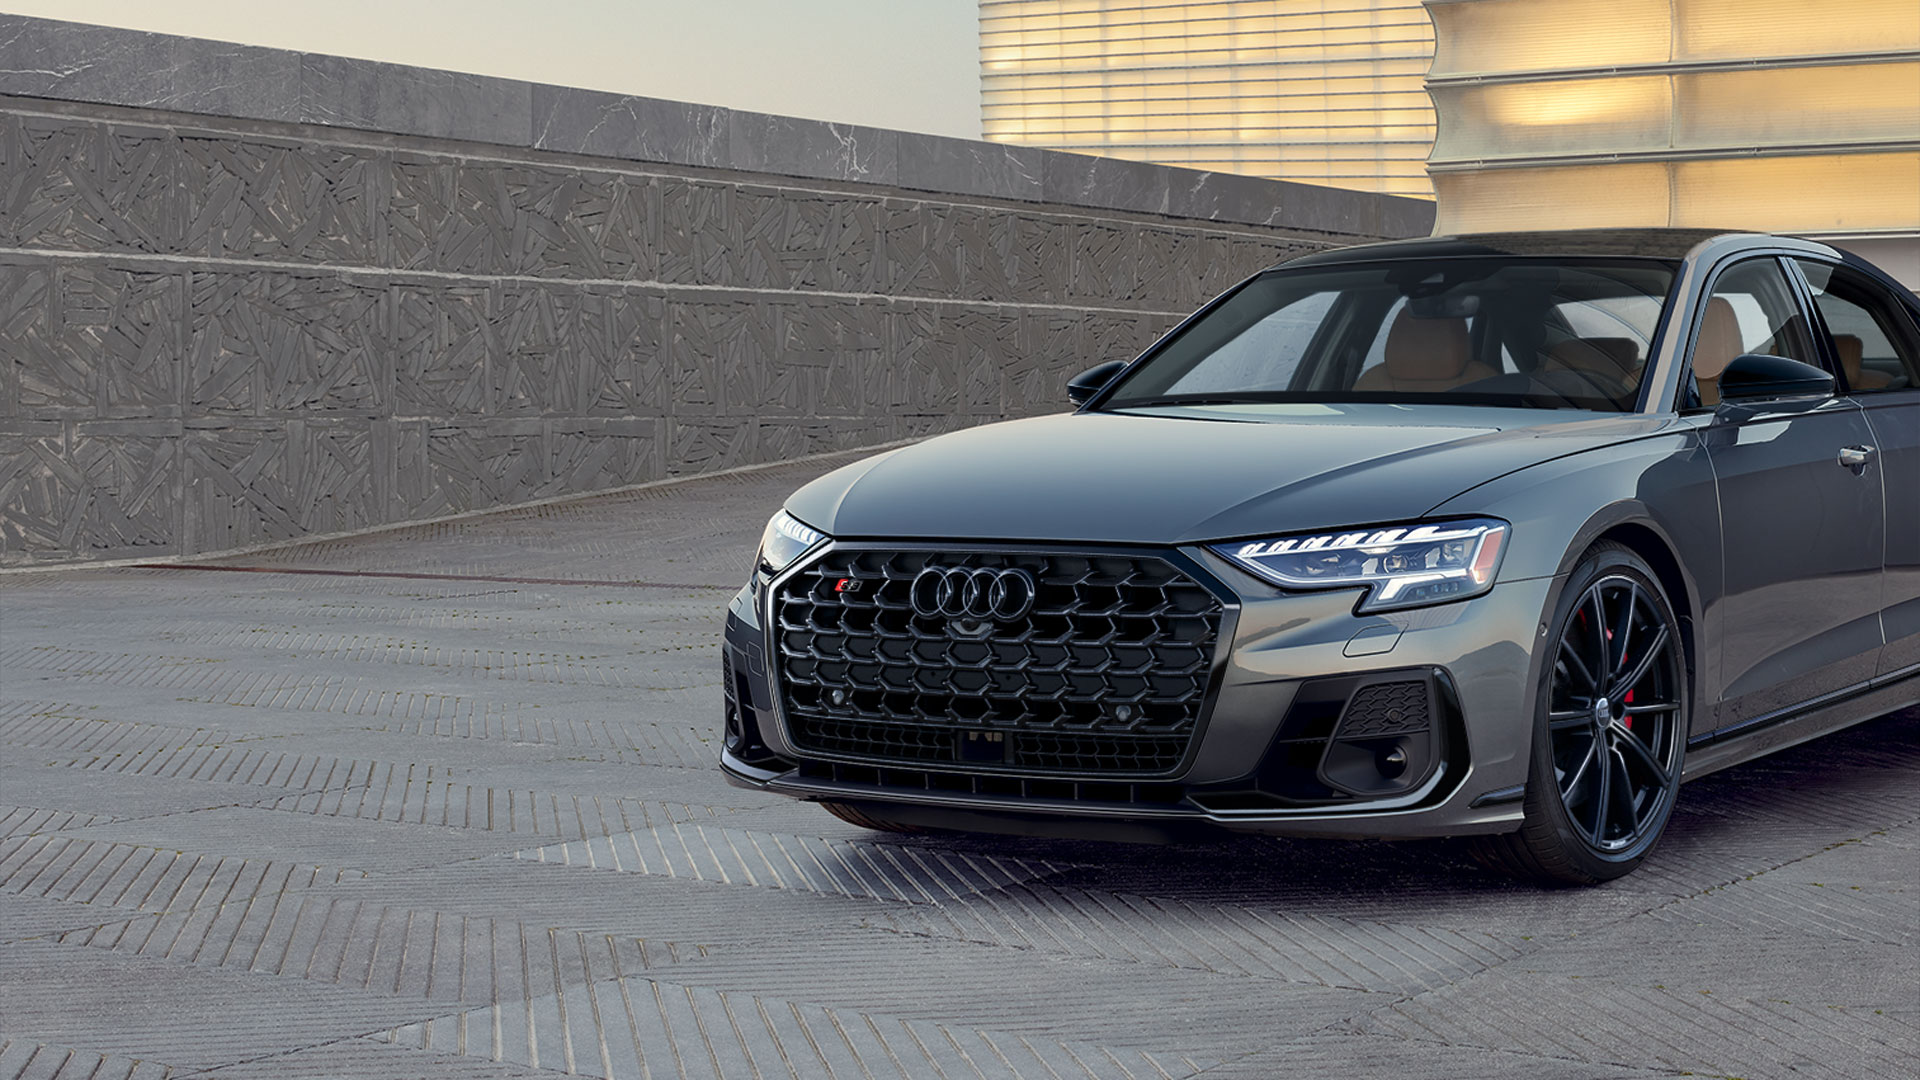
<point x="1612" y="730"/>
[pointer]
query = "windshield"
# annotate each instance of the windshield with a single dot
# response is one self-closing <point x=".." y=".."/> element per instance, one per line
<point x="1526" y="332"/>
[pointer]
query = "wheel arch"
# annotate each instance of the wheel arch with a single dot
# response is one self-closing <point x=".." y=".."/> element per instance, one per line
<point x="1633" y="528"/>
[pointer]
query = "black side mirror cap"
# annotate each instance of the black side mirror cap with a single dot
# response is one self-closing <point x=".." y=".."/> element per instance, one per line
<point x="1082" y="387"/>
<point x="1755" y="376"/>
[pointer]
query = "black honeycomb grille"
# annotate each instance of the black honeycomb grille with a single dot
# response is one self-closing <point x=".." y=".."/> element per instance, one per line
<point x="1393" y="708"/>
<point x="1107" y="674"/>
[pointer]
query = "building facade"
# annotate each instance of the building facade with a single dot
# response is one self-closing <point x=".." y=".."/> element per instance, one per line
<point x="1320" y="91"/>
<point x="1798" y="116"/>
<point x="1776" y="115"/>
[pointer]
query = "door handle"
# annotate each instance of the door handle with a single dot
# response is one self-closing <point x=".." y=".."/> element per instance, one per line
<point x="1856" y="458"/>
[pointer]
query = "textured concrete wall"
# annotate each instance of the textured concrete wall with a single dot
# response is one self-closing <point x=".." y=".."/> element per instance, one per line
<point x="222" y="331"/>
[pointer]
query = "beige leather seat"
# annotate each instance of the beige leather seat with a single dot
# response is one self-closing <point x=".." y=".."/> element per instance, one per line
<point x="1859" y="378"/>
<point x="1424" y="356"/>
<point x="1718" y="346"/>
<point x="1617" y="358"/>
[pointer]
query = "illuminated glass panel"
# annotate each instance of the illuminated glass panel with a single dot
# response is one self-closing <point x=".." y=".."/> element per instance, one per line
<point x="1569" y="197"/>
<point x="1804" y="193"/>
<point x="1850" y="103"/>
<point x="1487" y="37"/>
<point x="1746" y="29"/>
<point x="1844" y="104"/>
<point x="1831" y="192"/>
<point x="1491" y="36"/>
<point x="1328" y="91"/>
<point x="1566" y="116"/>
<point x="1788" y="115"/>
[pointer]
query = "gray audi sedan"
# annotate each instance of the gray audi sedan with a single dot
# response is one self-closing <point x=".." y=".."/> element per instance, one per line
<point x="1498" y="536"/>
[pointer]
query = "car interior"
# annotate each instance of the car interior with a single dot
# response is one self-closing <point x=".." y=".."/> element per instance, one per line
<point x="1529" y="333"/>
<point x="1425" y="356"/>
<point x="1717" y="346"/>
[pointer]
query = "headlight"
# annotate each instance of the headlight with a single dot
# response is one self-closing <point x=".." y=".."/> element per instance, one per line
<point x="784" y="541"/>
<point x="1402" y="565"/>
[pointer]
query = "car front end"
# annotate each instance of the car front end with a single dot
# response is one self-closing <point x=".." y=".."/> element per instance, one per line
<point x="1249" y="585"/>
<point x="1130" y="691"/>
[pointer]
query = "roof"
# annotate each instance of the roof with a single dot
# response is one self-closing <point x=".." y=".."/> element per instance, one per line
<point x="1671" y="244"/>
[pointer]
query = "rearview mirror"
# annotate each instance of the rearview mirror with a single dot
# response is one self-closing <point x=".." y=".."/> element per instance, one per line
<point x="1082" y="387"/>
<point x="1755" y="376"/>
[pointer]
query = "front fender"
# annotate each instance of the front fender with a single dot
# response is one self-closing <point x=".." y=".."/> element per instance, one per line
<point x="1662" y="485"/>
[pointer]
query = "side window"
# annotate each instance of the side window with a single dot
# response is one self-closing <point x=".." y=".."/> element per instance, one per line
<point x="1752" y="310"/>
<point x="1264" y="356"/>
<point x="1869" y="338"/>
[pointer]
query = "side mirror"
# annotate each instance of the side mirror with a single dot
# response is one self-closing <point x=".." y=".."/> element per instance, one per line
<point x="1083" y="386"/>
<point x="1754" y="376"/>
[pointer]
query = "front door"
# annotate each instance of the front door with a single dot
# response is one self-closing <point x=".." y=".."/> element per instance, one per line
<point x="1878" y="352"/>
<point x="1803" y="533"/>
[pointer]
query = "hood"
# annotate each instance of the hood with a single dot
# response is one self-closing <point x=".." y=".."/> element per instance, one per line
<point x="1187" y="475"/>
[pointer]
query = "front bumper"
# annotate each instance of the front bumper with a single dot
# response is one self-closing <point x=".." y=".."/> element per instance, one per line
<point x="1284" y="657"/>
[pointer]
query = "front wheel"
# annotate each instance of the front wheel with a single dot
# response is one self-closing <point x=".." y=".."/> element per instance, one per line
<point x="1610" y="729"/>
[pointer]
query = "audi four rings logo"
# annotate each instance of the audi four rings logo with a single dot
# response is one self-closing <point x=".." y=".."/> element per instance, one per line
<point x="957" y="592"/>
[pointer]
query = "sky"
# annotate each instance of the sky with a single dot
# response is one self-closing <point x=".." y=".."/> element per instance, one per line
<point x="907" y="64"/>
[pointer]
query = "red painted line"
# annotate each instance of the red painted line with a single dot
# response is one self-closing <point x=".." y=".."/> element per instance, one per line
<point x="425" y="577"/>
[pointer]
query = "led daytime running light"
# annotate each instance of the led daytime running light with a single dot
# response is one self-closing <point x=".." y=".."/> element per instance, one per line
<point x="784" y="524"/>
<point x="1402" y="565"/>
<point x="786" y="540"/>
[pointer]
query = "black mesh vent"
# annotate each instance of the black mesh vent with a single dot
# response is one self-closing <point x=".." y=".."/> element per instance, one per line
<point x="736" y="732"/>
<point x="1065" y="752"/>
<point x="1394" y="708"/>
<point x="1107" y="674"/>
<point x="895" y="742"/>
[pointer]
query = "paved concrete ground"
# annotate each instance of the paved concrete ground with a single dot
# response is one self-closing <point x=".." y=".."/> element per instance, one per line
<point x="340" y="825"/>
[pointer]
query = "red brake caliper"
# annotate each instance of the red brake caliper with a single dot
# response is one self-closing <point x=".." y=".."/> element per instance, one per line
<point x="1625" y="720"/>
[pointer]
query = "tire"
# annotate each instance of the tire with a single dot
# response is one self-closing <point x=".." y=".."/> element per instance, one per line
<point x="1600" y="789"/>
<point x="854" y="815"/>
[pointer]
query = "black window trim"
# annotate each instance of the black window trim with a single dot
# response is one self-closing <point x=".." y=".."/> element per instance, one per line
<point x="1686" y="399"/>
<point x="1903" y="327"/>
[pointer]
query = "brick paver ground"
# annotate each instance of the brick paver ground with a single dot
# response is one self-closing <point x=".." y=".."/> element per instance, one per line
<point x="441" y="803"/>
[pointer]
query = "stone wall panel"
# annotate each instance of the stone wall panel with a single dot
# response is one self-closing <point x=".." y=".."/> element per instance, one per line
<point x="1043" y="260"/>
<point x="716" y="351"/>
<point x="444" y="342"/>
<point x="221" y="333"/>
<point x="71" y="185"/>
<point x="463" y="217"/>
<point x="917" y="253"/>
<point x="983" y="342"/>
<point x="262" y="480"/>
<point x="1033" y="380"/>
<point x="285" y="201"/>
<point x="698" y="444"/>
<point x="1104" y="336"/>
<point x="293" y="345"/>
<point x="924" y="364"/>
<point x="104" y="490"/>
<point x="826" y="362"/>
<point x="91" y="341"/>
<point x="500" y="462"/>
<point x="1104" y="258"/>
